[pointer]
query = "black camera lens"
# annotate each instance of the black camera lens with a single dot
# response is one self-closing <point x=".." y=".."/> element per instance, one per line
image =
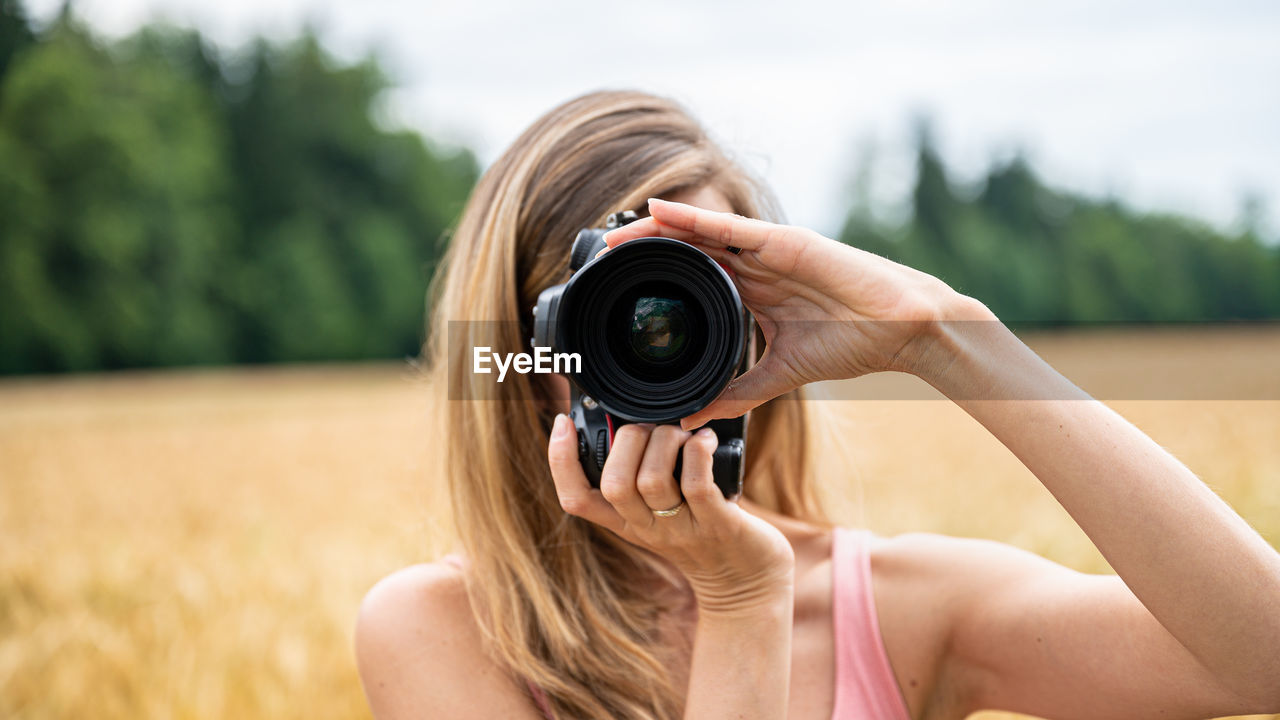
<point x="659" y="326"/>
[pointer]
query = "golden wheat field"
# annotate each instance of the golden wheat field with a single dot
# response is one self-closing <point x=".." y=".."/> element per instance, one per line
<point x="194" y="544"/>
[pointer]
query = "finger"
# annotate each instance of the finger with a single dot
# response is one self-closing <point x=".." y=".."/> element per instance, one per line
<point x="765" y="381"/>
<point x="706" y="502"/>
<point x="719" y="228"/>
<point x="576" y="495"/>
<point x="656" y="480"/>
<point x="648" y="227"/>
<point x="618" y="478"/>
<point x="721" y="254"/>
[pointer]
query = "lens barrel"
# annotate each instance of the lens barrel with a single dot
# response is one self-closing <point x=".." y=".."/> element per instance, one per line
<point x="658" y="324"/>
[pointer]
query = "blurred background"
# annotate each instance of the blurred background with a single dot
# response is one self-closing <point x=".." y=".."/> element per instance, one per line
<point x="218" y="222"/>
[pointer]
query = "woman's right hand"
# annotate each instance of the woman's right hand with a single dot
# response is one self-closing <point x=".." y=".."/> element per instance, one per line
<point x="734" y="562"/>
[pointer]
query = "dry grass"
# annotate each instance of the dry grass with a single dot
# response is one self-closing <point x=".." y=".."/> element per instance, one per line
<point x="195" y="544"/>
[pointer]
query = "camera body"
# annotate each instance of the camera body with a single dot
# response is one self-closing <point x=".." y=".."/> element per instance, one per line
<point x="661" y="332"/>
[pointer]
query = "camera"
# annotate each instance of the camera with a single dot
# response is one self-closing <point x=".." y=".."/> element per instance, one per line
<point x="661" y="331"/>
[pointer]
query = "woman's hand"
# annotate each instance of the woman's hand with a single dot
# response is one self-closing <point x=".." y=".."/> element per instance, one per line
<point x="828" y="311"/>
<point x="734" y="561"/>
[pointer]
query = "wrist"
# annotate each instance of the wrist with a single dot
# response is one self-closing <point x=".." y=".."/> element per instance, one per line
<point x="971" y="356"/>
<point x="944" y="337"/>
<point x="749" y="607"/>
<point x="745" y="597"/>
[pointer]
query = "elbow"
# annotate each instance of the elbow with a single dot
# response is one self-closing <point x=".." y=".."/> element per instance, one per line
<point x="1266" y="696"/>
<point x="1260" y="693"/>
<point x="1267" y="704"/>
<point x="1250" y="683"/>
<point x="1270" y="702"/>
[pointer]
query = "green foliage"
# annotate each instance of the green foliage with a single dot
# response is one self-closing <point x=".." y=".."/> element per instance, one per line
<point x="1042" y="256"/>
<point x="164" y="204"/>
<point x="340" y="219"/>
<point x="111" y="184"/>
<point x="15" y="32"/>
<point x="155" y="212"/>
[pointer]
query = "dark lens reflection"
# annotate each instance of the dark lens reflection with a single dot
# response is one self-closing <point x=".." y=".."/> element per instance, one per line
<point x="659" y="329"/>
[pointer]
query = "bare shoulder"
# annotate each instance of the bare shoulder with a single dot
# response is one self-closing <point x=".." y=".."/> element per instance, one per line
<point x="950" y="578"/>
<point x="961" y="580"/>
<point x="420" y="651"/>
<point x="926" y="586"/>
<point x="952" y="563"/>
<point x="410" y="610"/>
<point x="1009" y="630"/>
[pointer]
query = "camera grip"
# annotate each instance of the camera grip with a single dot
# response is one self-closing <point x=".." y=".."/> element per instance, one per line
<point x="595" y="430"/>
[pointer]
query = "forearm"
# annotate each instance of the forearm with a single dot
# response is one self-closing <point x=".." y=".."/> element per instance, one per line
<point x="741" y="664"/>
<point x="1196" y="565"/>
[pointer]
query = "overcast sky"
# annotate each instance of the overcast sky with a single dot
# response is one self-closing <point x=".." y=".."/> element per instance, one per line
<point x="1169" y="105"/>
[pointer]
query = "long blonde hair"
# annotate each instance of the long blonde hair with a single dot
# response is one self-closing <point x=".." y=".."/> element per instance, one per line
<point x="561" y="602"/>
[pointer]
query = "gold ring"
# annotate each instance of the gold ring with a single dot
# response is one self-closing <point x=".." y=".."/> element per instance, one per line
<point x="671" y="512"/>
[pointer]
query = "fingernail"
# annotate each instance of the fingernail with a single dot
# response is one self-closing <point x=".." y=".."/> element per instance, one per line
<point x="706" y="432"/>
<point x="685" y="424"/>
<point x="561" y="425"/>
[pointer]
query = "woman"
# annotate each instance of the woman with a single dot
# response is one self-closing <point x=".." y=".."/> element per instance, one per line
<point x="572" y="602"/>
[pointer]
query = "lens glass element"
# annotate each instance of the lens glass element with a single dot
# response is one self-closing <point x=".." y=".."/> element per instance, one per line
<point x="654" y="331"/>
<point x="659" y="329"/>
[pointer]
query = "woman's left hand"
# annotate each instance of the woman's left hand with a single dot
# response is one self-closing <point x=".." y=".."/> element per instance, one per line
<point x="827" y="310"/>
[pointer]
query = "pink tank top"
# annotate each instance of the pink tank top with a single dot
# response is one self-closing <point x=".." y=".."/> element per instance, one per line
<point x="865" y="688"/>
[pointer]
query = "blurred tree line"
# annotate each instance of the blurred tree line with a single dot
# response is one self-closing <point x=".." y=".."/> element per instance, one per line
<point x="162" y="203"/>
<point x="1036" y="255"/>
<point x="166" y="203"/>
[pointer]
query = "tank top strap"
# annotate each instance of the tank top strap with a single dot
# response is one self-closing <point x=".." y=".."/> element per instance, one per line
<point x="865" y="684"/>
<point x="539" y="699"/>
